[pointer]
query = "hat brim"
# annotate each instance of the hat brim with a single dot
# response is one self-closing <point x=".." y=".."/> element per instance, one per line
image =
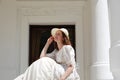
<point x="54" y="30"/>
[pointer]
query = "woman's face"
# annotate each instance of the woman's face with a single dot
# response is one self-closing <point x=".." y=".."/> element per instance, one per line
<point x="58" y="36"/>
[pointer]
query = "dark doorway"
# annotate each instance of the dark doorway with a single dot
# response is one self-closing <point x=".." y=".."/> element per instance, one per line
<point x="38" y="35"/>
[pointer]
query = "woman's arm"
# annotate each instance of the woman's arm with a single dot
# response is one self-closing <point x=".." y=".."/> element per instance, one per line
<point x="67" y="72"/>
<point x="43" y="53"/>
<point x="49" y="41"/>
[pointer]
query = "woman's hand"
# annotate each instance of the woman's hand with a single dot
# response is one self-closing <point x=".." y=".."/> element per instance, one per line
<point x="50" y="40"/>
<point x="67" y="72"/>
<point x="62" y="78"/>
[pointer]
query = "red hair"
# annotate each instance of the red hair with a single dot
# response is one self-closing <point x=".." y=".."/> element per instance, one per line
<point x="65" y="41"/>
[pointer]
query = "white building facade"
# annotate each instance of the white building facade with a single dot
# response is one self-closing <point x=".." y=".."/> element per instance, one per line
<point x="97" y="34"/>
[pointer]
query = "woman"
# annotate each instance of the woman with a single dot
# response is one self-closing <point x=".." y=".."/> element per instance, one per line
<point x="58" y="65"/>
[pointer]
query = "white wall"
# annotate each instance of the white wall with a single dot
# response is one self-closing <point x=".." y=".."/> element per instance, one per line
<point x="114" y="14"/>
<point x="10" y="39"/>
<point x="8" y="43"/>
<point x="87" y="40"/>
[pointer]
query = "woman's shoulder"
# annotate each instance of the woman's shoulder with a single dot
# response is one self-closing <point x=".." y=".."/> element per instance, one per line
<point x="67" y="47"/>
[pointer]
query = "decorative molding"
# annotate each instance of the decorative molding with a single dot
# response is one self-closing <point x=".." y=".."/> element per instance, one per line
<point x="115" y="44"/>
<point x="52" y="11"/>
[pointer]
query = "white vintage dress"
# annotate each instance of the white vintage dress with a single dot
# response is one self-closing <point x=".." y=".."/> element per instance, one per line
<point x="53" y="66"/>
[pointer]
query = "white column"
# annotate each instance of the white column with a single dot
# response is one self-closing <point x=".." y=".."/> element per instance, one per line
<point x="100" y="69"/>
<point x="114" y="9"/>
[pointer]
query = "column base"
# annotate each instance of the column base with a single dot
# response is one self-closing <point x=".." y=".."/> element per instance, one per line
<point x="116" y="74"/>
<point x="114" y="60"/>
<point x="101" y="72"/>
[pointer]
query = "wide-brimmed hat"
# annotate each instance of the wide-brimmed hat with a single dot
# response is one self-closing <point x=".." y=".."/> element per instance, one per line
<point x="65" y="31"/>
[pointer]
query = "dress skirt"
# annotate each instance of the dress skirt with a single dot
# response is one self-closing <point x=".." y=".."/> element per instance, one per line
<point x="46" y="69"/>
<point x="43" y="69"/>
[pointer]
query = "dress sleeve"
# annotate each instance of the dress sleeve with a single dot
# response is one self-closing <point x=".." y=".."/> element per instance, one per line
<point x="69" y="55"/>
<point x="51" y="55"/>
